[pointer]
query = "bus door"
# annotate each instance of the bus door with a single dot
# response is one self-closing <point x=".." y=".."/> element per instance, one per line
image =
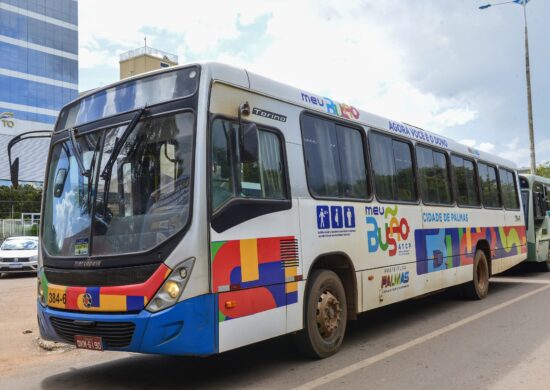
<point x="541" y="221"/>
<point x="254" y="227"/>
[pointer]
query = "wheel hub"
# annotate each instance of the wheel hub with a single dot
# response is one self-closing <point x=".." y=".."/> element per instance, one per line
<point x="328" y="313"/>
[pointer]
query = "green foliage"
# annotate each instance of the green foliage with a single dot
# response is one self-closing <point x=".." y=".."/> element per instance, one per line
<point x="544" y="170"/>
<point x="25" y="199"/>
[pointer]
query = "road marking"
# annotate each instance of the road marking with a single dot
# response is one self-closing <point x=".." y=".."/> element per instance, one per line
<point x="413" y="343"/>
<point x="520" y="280"/>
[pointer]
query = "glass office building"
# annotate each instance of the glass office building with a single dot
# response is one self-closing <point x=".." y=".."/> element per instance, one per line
<point x="38" y="73"/>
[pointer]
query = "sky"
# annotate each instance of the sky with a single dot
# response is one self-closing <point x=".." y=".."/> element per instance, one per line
<point x="442" y="65"/>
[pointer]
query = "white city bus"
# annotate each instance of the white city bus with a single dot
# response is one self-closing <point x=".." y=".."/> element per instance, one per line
<point x="202" y="208"/>
<point x="535" y="195"/>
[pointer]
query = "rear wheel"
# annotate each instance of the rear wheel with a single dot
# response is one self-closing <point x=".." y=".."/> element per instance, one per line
<point x="544" y="266"/>
<point x="325" y="315"/>
<point x="478" y="288"/>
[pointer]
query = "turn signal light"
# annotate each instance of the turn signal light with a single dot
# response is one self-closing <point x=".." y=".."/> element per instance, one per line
<point x="230" y="304"/>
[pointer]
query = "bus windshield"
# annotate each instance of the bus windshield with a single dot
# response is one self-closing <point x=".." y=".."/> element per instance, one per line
<point x="141" y="201"/>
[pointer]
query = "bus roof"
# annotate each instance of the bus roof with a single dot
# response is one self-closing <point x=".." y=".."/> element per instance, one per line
<point x="263" y="85"/>
<point x="535" y="178"/>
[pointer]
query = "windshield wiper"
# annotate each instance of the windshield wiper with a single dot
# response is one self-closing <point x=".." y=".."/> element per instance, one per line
<point x="78" y="154"/>
<point x="106" y="173"/>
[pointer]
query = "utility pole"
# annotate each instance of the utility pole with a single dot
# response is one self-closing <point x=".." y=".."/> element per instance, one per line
<point x="528" y="79"/>
<point x="529" y="104"/>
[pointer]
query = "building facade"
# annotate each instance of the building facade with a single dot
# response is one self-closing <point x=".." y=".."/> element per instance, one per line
<point x="38" y="74"/>
<point x="143" y="60"/>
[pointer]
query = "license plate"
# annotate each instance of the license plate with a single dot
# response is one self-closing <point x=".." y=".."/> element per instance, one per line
<point x="16" y="265"/>
<point x="88" y="342"/>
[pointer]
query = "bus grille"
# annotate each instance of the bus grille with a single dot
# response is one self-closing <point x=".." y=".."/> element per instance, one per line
<point x="114" y="334"/>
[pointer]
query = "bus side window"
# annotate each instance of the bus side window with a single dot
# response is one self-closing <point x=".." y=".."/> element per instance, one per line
<point x="509" y="189"/>
<point x="222" y="187"/>
<point x="335" y="159"/>
<point x="394" y="176"/>
<point x="434" y="176"/>
<point x="489" y="186"/>
<point x="464" y="182"/>
<point x="262" y="179"/>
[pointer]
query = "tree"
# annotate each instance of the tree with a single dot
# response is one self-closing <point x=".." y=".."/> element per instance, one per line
<point x="13" y="202"/>
<point x="544" y="169"/>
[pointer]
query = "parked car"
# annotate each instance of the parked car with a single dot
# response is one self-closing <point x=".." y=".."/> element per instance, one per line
<point x="19" y="254"/>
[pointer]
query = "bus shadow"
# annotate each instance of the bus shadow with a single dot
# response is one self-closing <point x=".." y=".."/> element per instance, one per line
<point x="240" y="368"/>
<point x="275" y="361"/>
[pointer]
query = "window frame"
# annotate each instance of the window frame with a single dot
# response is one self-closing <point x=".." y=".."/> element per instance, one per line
<point x="414" y="167"/>
<point x="142" y="257"/>
<point x="516" y="185"/>
<point x="453" y="202"/>
<point x="366" y="158"/>
<point x="214" y="213"/>
<point x="476" y="182"/>
<point x="499" y="192"/>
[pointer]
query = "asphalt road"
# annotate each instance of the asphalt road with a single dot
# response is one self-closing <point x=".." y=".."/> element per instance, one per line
<point x="440" y="341"/>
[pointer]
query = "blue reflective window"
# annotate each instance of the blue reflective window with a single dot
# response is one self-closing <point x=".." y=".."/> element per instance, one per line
<point x="37" y="63"/>
<point x="34" y="94"/>
<point x="131" y="95"/>
<point x="65" y="10"/>
<point x="35" y="31"/>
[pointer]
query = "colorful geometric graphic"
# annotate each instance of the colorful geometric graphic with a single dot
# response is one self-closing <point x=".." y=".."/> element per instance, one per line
<point x="441" y="249"/>
<point x="132" y="297"/>
<point x="254" y="275"/>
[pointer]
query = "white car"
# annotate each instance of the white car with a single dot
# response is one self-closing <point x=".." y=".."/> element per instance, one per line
<point x="19" y="254"/>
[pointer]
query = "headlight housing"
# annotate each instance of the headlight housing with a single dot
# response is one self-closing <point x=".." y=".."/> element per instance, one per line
<point x="170" y="291"/>
<point x="40" y="290"/>
<point x="33" y="258"/>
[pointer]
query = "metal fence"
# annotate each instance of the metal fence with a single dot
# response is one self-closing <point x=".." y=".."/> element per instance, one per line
<point x="27" y="225"/>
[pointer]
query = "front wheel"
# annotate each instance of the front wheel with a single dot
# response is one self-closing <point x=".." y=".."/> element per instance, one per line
<point x="325" y="315"/>
<point x="478" y="288"/>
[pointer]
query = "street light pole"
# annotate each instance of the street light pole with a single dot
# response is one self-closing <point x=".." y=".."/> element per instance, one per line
<point x="528" y="78"/>
<point x="529" y="104"/>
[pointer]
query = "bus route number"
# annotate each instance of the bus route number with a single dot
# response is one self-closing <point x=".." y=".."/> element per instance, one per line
<point x="57" y="298"/>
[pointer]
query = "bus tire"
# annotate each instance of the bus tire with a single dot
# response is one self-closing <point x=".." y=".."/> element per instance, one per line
<point x="325" y="315"/>
<point x="544" y="266"/>
<point x="478" y="288"/>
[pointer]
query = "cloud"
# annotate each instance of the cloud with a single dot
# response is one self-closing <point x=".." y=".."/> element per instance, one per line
<point x="444" y="66"/>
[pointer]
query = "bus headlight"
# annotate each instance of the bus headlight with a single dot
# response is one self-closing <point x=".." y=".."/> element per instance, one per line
<point x="172" y="287"/>
<point x="40" y="291"/>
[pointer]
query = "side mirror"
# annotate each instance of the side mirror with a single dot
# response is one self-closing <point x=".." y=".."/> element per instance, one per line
<point x="59" y="182"/>
<point x="14" y="166"/>
<point x="249" y="142"/>
<point x="14" y="173"/>
<point x="248" y="136"/>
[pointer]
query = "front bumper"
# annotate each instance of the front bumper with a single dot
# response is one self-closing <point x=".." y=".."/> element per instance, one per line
<point x="18" y="267"/>
<point x="187" y="328"/>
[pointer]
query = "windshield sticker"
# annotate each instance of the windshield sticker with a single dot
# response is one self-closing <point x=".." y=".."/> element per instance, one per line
<point x="418" y="134"/>
<point x="335" y="221"/>
<point x="81" y="247"/>
<point x="339" y="109"/>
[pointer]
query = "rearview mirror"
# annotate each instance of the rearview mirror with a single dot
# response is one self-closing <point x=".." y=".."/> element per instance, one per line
<point x="249" y="142"/>
<point x="59" y="183"/>
<point x="14" y="173"/>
